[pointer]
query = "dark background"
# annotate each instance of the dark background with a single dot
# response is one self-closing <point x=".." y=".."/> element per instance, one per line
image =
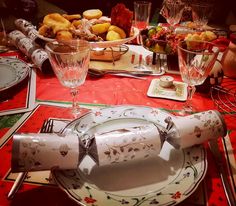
<point x="35" y="10"/>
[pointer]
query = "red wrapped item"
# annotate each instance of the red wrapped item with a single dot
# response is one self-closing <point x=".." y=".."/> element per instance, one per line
<point x="122" y="17"/>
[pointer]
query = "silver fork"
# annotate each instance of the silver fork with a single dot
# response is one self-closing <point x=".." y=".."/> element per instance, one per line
<point x="47" y="127"/>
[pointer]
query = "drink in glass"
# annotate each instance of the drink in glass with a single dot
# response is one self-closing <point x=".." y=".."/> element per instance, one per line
<point x="142" y="10"/>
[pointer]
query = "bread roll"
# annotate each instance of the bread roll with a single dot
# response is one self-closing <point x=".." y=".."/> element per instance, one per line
<point x="92" y="14"/>
<point x="118" y="30"/>
<point x="112" y="35"/>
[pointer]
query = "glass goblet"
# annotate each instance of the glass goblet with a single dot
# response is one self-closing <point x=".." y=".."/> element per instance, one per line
<point x="201" y="13"/>
<point x="172" y="11"/>
<point x="70" y="63"/>
<point x="196" y="59"/>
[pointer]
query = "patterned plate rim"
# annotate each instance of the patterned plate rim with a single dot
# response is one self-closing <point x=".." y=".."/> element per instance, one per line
<point x="15" y="63"/>
<point x="170" y="198"/>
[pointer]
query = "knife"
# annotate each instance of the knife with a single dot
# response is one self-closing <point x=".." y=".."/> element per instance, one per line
<point x="100" y="72"/>
<point x="213" y="145"/>
<point x="20" y="178"/>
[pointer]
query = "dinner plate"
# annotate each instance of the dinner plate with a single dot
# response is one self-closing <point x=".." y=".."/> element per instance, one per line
<point x="166" y="179"/>
<point x="101" y="44"/>
<point x="12" y="72"/>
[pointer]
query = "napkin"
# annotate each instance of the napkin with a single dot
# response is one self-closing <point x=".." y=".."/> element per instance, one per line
<point x="33" y="152"/>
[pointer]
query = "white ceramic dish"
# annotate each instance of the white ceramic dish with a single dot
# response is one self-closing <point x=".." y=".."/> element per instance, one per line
<point x="166" y="179"/>
<point x="101" y="44"/>
<point x="12" y="72"/>
<point x="176" y="92"/>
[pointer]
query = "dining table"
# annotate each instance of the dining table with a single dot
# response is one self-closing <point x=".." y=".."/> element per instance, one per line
<point x="42" y="97"/>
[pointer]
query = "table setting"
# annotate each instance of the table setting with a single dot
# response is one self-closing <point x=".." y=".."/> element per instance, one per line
<point x="98" y="110"/>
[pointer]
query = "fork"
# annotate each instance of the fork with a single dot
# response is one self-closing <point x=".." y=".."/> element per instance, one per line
<point x="47" y="127"/>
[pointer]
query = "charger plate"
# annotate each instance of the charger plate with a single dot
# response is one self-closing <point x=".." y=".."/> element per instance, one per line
<point x="12" y="72"/>
<point x="166" y="179"/>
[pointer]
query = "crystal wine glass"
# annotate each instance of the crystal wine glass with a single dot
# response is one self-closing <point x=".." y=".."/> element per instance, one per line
<point x="196" y="59"/>
<point x="70" y="62"/>
<point x="172" y="11"/>
<point x="201" y="13"/>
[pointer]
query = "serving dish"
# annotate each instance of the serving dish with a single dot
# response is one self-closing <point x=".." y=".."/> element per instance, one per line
<point x="163" y="40"/>
<point x="166" y="179"/>
<point x="178" y="91"/>
<point x="12" y="72"/>
<point x="101" y="44"/>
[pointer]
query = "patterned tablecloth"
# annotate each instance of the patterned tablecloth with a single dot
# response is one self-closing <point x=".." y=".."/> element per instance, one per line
<point x="39" y="189"/>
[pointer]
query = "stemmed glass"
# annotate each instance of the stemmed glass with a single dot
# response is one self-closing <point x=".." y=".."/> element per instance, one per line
<point x="142" y="11"/>
<point x="196" y="59"/>
<point x="70" y="62"/>
<point x="4" y="40"/>
<point x="201" y="13"/>
<point x="172" y="11"/>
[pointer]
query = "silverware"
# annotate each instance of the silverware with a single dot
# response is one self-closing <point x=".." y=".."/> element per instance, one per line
<point x="223" y="175"/>
<point x="99" y="73"/>
<point x="46" y="128"/>
<point x="129" y="75"/>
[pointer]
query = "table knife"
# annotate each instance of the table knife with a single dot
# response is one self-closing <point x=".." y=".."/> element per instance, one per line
<point x="213" y="145"/>
<point x="18" y="182"/>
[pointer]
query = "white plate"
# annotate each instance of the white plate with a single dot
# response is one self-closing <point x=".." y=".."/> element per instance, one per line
<point x="177" y="92"/>
<point x="102" y="44"/>
<point x="166" y="179"/>
<point x="12" y="72"/>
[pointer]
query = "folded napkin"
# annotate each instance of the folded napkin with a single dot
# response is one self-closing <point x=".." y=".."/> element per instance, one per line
<point x="32" y="152"/>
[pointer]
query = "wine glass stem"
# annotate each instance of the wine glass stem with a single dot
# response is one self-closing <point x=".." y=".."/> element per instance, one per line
<point x="74" y="93"/>
<point x="172" y="28"/>
<point x="191" y="91"/>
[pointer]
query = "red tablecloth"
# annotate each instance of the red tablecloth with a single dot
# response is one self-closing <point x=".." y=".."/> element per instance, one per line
<point x="108" y="91"/>
<point x="113" y="91"/>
